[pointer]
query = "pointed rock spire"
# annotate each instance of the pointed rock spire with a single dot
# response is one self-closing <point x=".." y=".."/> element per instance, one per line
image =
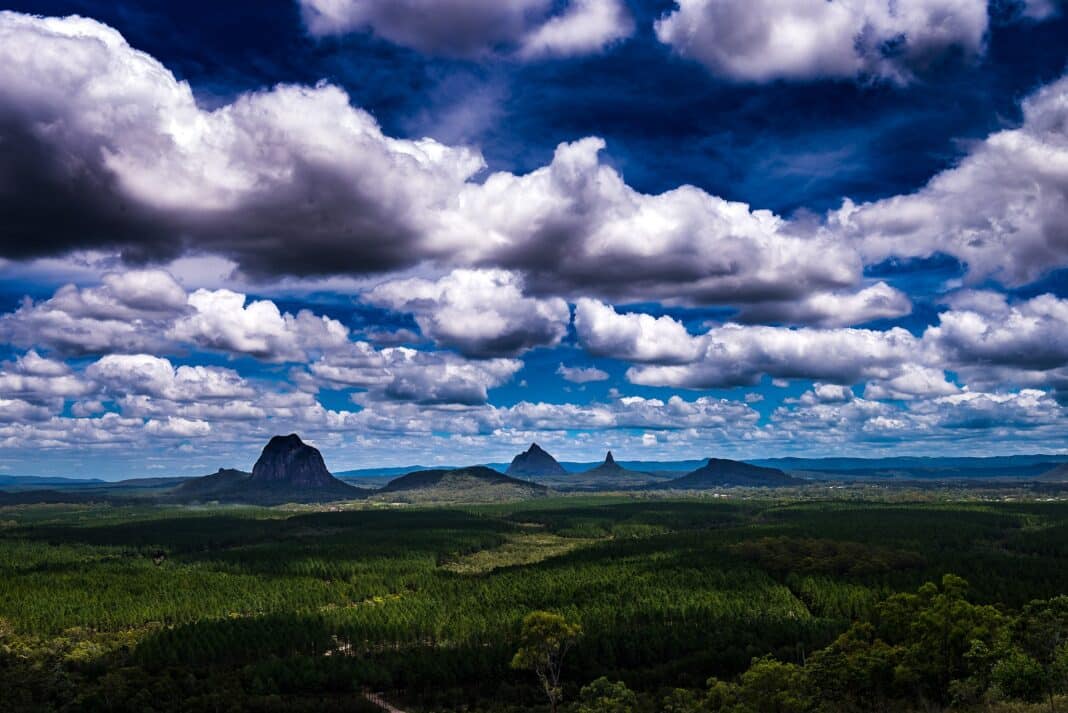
<point x="533" y="462"/>
<point x="609" y="460"/>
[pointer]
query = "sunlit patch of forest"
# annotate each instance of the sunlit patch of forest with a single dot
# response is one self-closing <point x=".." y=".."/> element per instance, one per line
<point x="683" y="605"/>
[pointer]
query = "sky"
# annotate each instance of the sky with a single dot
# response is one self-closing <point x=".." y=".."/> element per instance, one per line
<point x="434" y="231"/>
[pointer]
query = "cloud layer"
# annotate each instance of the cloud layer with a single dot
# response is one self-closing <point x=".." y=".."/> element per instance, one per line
<point x="474" y="27"/>
<point x="764" y="40"/>
<point x="275" y="261"/>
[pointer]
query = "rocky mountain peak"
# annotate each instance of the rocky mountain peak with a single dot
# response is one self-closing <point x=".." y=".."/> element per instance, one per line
<point x="533" y="462"/>
<point x="289" y="460"/>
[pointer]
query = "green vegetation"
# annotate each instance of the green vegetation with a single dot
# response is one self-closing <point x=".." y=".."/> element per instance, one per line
<point x="685" y="605"/>
<point x="544" y="640"/>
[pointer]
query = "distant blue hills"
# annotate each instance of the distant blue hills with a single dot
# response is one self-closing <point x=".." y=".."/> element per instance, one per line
<point x="834" y="468"/>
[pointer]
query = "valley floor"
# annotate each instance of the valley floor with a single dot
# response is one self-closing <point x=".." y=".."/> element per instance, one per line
<point x="749" y="603"/>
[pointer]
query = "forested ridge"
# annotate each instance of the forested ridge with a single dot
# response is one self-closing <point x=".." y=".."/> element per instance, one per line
<point x="684" y="605"/>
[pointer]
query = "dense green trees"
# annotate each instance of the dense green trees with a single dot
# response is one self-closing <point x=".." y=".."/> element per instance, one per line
<point x="929" y="649"/>
<point x="787" y="606"/>
<point x="544" y="640"/>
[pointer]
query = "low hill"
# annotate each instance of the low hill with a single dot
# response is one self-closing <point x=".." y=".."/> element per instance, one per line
<point x="69" y="496"/>
<point x="222" y="483"/>
<point x="1055" y="475"/>
<point x="287" y="471"/>
<point x="472" y="484"/>
<point x="533" y="462"/>
<point x="722" y="473"/>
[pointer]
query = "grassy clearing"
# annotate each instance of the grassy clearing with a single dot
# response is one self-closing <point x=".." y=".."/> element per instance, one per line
<point x="521" y="549"/>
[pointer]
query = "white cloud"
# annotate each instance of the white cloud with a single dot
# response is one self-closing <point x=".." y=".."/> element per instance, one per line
<point x="632" y="336"/>
<point x="581" y="374"/>
<point x="146" y="310"/>
<point x="296" y="181"/>
<point x="585" y="26"/>
<point x="474" y="27"/>
<point x="826" y="394"/>
<point x="576" y="228"/>
<point x="914" y="381"/>
<point x="222" y="321"/>
<point x="36" y="378"/>
<point x="1002" y="211"/>
<point x="765" y="40"/>
<point x="833" y="309"/>
<point x="155" y="376"/>
<point x="480" y="313"/>
<point x="984" y="329"/>
<point x="735" y="355"/>
<point x="174" y="427"/>
<point x="18" y="410"/>
<point x="126" y="313"/>
<point x="444" y="26"/>
<point x="292" y="178"/>
<point x="405" y="374"/>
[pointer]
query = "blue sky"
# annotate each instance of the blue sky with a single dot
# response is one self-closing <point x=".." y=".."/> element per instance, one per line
<point x="433" y="231"/>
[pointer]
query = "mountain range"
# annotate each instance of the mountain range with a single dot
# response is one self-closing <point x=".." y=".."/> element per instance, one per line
<point x="289" y="470"/>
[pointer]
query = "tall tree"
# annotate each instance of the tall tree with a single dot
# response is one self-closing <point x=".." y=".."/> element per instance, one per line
<point x="544" y="640"/>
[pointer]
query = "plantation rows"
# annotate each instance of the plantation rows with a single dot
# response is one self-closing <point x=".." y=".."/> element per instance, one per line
<point x="263" y="603"/>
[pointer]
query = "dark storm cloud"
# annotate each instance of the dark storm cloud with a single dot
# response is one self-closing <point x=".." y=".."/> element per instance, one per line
<point x="54" y="200"/>
<point x="297" y="181"/>
<point x="57" y="199"/>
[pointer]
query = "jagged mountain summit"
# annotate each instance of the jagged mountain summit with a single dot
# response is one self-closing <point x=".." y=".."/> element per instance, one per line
<point x="720" y="472"/>
<point x="611" y="475"/>
<point x="287" y="459"/>
<point x="608" y="468"/>
<point x="535" y="461"/>
<point x="288" y="470"/>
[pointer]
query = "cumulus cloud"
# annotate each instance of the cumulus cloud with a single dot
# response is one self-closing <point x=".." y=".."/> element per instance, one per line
<point x="221" y="320"/>
<point x="914" y="381"/>
<point x="296" y="181"/>
<point x="405" y="374"/>
<point x="108" y="148"/>
<point x="632" y="336"/>
<point x="175" y="427"/>
<point x="1003" y="211"/>
<point x="481" y="313"/>
<point x="127" y="312"/>
<point x="739" y="355"/>
<point x="147" y="310"/>
<point x="31" y="376"/>
<point x="982" y="337"/>
<point x="18" y="410"/>
<point x="473" y="27"/>
<point x="575" y="227"/>
<point x="736" y="355"/>
<point x="585" y="26"/>
<point x="991" y="341"/>
<point x="156" y="376"/>
<point x="581" y="374"/>
<point x="833" y="309"/>
<point x="765" y="40"/>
